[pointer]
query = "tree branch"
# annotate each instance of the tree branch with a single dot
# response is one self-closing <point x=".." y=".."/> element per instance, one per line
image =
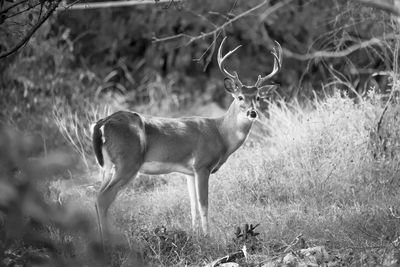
<point x="12" y="6"/>
<point x="34" y="28"/>
<point x="222" y="27"/>
<point x="382" y="6"/>
<point x="342" y="53"/>
<point x="94" y="5"/>
<point x="23" y="11"/>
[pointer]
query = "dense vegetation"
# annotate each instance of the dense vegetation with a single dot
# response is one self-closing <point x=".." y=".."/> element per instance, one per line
<point x="322" y="163"/>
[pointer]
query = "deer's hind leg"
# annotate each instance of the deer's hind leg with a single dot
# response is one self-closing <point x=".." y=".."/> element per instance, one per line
<point x="108" y="194"/>
<point x="125" y="149"/>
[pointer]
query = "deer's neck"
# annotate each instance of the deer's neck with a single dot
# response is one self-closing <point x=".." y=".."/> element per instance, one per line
<point x="234" y="127"/>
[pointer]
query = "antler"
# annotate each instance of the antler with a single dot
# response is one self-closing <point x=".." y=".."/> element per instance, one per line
<point x="221" y="60"/>
<point x="277" y="53"/>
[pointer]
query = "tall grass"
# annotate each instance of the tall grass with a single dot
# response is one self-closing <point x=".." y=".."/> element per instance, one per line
<point x="74" y="126"/>
<point x="320" y="172"/>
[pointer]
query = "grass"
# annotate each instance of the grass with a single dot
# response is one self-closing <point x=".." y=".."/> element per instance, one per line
<point x="321" y="173"/>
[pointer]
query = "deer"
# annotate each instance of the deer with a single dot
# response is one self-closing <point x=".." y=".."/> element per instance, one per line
<point x="127" y="143"/>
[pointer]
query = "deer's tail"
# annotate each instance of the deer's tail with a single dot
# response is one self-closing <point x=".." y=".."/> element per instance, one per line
<point x="97" y="141"/>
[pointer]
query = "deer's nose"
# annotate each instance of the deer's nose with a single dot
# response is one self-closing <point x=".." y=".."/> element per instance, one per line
<point x="252" y="114"/>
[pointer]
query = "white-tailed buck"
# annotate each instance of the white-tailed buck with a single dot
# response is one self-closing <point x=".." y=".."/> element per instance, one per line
<point x="133" y="143"/>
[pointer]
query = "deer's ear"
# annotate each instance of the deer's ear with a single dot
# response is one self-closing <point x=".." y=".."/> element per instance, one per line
<point x="230" y="85"/>
<point x="266" y="89"/>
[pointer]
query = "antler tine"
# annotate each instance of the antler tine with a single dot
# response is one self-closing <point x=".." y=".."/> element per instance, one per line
<point x="277" y="53"/>
<point x="221" y="60"/>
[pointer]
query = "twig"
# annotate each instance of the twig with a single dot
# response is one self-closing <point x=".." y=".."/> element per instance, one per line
<point x="295" y="241"/>
<point x="342" y="53"/>
<point x="224" y="25"/>
<point x="69" y="5"/>
<point x="274" y="8"/>
<point x="382" y="6"/>
<point x="12" y="6"/>
<point x="172" y="37"/>
<point x="40" y="11"/>
<point x="95" y="5"/>
<point x="232" y="257"/>
<point x="219" y="28"/>
<point x="31" y="31"/>
<point x="215" y="36"/>
<point x="210" y="48"/>
<point x="172" y="2"/>
<point x="23" y="11"/>
<point x="395" y="68"/>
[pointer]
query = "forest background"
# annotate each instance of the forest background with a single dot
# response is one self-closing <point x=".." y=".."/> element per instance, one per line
<point x="62" y="68"/>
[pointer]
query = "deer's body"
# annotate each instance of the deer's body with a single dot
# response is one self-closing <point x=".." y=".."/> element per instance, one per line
<point x="127" y="143"/>
<point x="204" y="143"/>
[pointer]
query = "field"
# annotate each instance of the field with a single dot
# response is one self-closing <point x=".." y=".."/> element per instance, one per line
<point x="323" y="173"/>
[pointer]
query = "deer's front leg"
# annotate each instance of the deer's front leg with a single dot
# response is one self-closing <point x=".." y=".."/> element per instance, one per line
<point x="193" y="199"/>
<point x="201" y="179"/>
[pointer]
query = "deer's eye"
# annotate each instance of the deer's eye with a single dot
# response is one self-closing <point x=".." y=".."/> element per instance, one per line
<point x="240" y="98"/>
<point x="258" y="98"/>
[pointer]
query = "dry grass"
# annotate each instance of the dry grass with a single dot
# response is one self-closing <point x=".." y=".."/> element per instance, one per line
<point x="317" y="173"/>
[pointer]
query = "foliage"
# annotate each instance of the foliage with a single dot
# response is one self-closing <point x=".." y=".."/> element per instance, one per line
<point x="34" y="231"/>
<point x="301" y="27"/>
<point x="114" y="48"/>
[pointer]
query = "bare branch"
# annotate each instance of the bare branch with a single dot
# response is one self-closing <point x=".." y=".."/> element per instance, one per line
<point x="274" y="8"/>
<point x="12" y="6"/>
<point x="382" y="6"/>
<point x="69" y="5"/>
<point x="211" y="47"/>
<point x="95" y="5"/>
<point x="24" y="10"/>
<point x="224" y="25"/>
<point x="172" y="37"/>
<point x="342" y="53"/>
<point x="392" y="92"/>
<point x="34" y="28"/>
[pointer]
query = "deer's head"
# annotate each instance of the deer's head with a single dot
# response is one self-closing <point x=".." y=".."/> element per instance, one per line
<point x="248" y="97"/>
